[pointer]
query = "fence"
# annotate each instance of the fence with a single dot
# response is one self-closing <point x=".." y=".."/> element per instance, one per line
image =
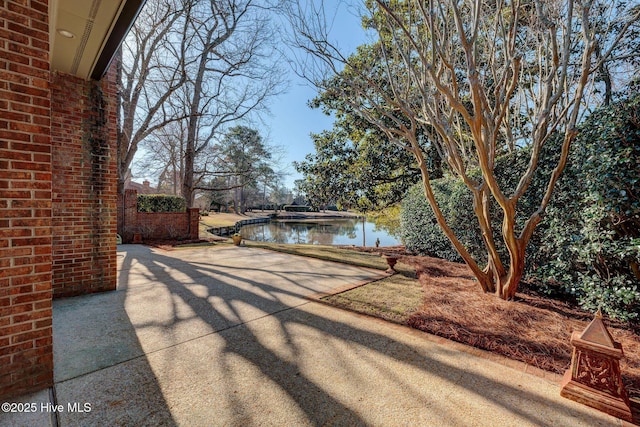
<point x="134" y="226"/>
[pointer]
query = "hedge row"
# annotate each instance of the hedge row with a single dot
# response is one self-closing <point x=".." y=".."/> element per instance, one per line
<point x="161" y="203"/>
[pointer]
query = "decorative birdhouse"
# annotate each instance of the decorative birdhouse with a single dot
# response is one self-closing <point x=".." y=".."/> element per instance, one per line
<point x="594" y="376"/>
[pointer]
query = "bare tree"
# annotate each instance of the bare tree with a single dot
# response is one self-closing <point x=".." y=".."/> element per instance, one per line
<point x="149" y="74"/>
<point x="232" y="70"/>
<point x="199" y="65"/>
<point x="481" y="77"/>
<point x="164" y="157"/>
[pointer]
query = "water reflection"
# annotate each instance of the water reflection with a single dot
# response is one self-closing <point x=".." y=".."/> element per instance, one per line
<point x="319" y="232"/>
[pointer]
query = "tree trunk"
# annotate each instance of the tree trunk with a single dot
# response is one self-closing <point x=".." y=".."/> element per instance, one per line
<point x="483" y="278"/>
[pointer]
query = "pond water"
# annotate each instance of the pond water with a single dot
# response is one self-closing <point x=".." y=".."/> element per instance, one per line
<point x="319" y="232"/>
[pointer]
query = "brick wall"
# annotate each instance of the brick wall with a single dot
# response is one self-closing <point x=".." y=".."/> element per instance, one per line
<point x="26" y="355"/>
<point x="57" y="192"/>
<point x="83" y="134"/>
<point x="156" y="225"/>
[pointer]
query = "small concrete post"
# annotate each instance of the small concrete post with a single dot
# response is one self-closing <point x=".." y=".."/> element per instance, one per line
<point x="594" y="377"/>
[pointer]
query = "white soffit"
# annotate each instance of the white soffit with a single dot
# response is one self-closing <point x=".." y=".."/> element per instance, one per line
<point x="87" y="25"/>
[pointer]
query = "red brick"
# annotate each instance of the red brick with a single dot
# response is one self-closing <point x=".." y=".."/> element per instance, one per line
<point x="40" y="6"/>
<point x="16" y="290"/>
<point x="15" y="309"/>
<point x="42" y="176"/>
<point x="42" y="167"/>
<point x="30" y="147"/>
<point x="15" y="329"/>
<point x="16" y="194"/>
<point x="39" y="185"/>
<point x="18" y="232"/>
<point x="23" y="261"/>
<point x="34" y="315"/>
<point x="16" y="136"/>
<point x="17" y="271"/>
<point x="31" y="241"/>
<point x="17" y="213"/>
<point x="42" y="213"/>
<point x="16" y="349"/>
<point x="38" y="296"/>
<point x="40" y="305"/>
<point x="15" y="252"/>
<point x="42" y="250"/>
<point x="45" y="343"/>
<point x="29" y="336"/>
<point x="37" y="277"/>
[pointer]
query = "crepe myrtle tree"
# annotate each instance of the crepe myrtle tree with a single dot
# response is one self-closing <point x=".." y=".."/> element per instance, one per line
<point x="480" y="78"/>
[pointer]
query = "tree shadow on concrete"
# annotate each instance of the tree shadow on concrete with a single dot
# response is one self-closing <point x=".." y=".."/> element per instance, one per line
<point x="239" y="345"/>
<point x="99" y="361"/>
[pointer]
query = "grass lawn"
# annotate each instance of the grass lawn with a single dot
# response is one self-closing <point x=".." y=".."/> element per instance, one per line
<point x="333" y="253"/>
<point x="221" y="219"/>
<point x="395" y="298"/>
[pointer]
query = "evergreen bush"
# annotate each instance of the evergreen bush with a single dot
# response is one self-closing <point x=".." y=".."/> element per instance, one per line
<point x="297" y="208"/>
<point x="590" y="240"/>
<point x="161" y="203"/>
<point x="420" y="230"/>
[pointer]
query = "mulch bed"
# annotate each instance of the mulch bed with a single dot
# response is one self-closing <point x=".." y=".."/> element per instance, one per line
<point x="532" y="328"/>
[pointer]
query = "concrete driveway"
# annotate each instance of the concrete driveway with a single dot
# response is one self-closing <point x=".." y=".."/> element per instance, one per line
<point x="226" y="336"/>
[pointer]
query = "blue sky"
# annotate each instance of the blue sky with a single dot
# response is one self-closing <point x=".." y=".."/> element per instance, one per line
<point x="291" y="120"/>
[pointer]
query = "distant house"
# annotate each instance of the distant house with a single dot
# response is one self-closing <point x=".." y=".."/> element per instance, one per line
<point x="144" y="188"/>
<point x="202" y="202"/>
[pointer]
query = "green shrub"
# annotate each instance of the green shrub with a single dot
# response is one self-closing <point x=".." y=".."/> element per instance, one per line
<point x="420" y="230"/>
<point x="161" y="203"/>
<point x="590" y="239"/>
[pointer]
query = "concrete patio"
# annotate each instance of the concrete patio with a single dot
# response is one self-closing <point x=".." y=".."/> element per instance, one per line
<point x="227" y="336"/>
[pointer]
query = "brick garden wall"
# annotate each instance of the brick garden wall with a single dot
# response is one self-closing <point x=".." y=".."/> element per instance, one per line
<point x="156" y="225"/>
<point x="84" y="184"/>
<point x="26" y="355"/>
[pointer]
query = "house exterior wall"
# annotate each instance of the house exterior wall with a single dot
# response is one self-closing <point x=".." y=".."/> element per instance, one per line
<point x="57" y="193"/>
<point x="26" y="353"/>
<point x="83" y="134"/>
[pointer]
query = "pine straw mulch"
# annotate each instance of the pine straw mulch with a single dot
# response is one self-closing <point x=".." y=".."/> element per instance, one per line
<point x="532" y="329"/>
